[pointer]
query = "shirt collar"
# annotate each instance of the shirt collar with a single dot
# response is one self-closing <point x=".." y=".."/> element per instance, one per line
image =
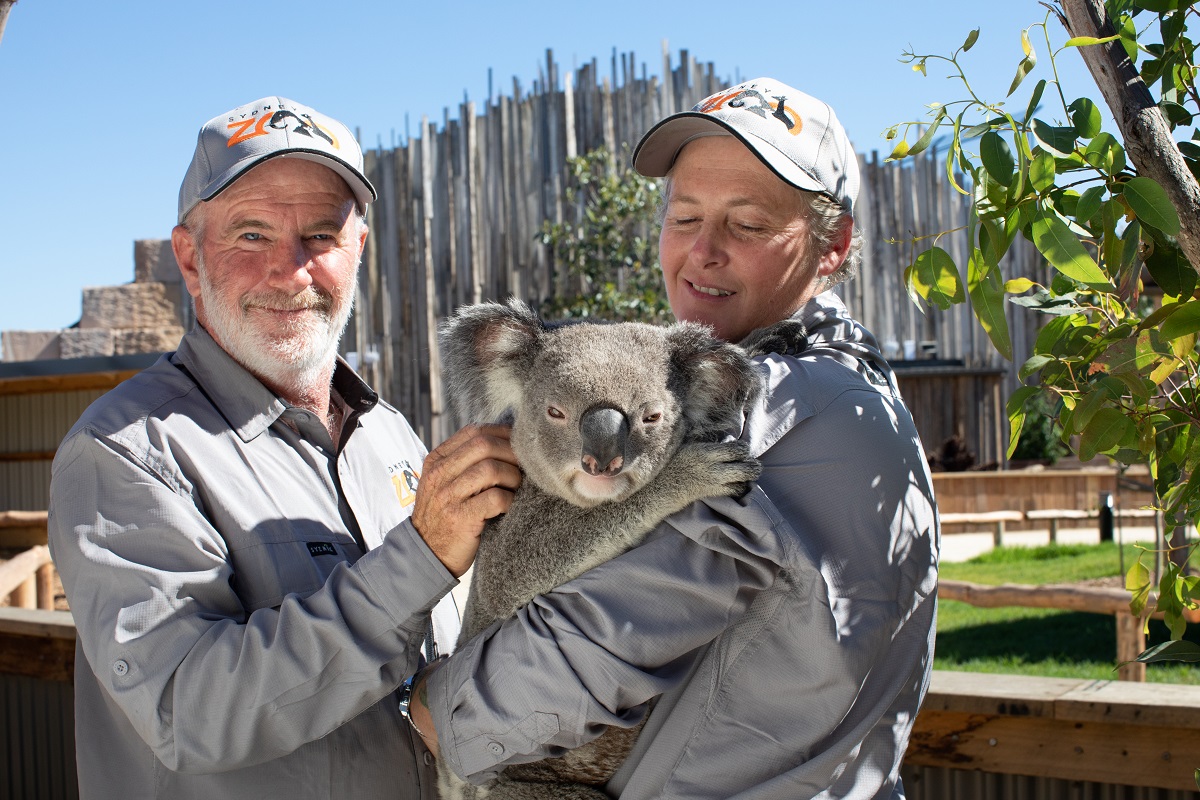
<point x="246" y="404"/>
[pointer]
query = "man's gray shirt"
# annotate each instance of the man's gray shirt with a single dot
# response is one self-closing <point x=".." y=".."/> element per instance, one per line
<point x="247" y="599"/>
<point x="782" y="660"/>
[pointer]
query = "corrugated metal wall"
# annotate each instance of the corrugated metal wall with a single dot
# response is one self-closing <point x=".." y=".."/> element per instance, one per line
<point x="32" y="426"/>
<point x="37" y="739"/>
<point x="928" y="783"/>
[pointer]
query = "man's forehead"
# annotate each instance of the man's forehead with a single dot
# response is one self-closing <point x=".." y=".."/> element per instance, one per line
<point x="308" y="176"/>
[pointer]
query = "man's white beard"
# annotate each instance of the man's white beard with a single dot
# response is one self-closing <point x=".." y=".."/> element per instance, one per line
<point x="299" y="358"/>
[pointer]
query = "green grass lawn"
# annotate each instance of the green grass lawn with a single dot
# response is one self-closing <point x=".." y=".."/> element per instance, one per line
<point x="1034" y="641"/>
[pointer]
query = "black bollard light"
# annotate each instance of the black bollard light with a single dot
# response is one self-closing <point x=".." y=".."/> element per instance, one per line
<point x="1106" y="517"/>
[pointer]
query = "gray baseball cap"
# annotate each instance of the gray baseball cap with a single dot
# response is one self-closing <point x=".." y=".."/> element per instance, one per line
<point x="793" y="133"/>
<point x="232" y="143"/>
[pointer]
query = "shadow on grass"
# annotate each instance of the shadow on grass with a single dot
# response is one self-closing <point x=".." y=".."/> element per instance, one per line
<point x="1066" y="637"/>
<point x="1063" y="638"/>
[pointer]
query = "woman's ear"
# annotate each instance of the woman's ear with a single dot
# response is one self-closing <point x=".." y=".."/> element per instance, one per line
<point x="833" y="258"/>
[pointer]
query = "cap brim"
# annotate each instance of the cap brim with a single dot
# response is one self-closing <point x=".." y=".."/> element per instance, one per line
<point x="364" y="192"/>
<point x="655" y="154"/>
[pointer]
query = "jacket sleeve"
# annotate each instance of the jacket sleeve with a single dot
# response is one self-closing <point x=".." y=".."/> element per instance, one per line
<point x="588" y="654"/>
<point x="208" y="685"/>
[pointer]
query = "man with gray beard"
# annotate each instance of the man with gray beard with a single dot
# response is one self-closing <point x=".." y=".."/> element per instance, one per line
<point x="251" y="574"/>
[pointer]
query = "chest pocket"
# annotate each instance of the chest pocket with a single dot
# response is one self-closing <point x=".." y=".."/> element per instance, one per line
<point x="289" y="557"/>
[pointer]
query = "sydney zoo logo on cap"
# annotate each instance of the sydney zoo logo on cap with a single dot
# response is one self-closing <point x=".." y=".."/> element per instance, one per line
<point x="756" y="103"/>
<point x="257" y="123"/>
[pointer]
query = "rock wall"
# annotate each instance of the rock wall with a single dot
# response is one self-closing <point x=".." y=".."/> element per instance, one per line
<point x="146" y="316"/>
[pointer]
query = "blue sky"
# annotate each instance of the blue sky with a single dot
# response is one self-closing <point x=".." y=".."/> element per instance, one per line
<point x="100" y="102"/>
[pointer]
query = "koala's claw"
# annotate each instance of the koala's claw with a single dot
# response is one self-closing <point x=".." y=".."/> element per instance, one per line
<point x="723" y="468"/>
<point x="788" y="336"/>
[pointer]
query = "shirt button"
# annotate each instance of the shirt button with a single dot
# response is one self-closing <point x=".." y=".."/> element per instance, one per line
<point x="303" y="416"/>
<point x="121" y="667"/>
<point x="496" y="748"/>
<point x="428" y="758"/>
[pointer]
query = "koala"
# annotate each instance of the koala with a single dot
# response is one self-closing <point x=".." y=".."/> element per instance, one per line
<point x="616" y="426"/>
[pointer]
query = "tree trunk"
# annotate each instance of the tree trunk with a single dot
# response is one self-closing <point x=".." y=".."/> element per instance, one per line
<point x="1143" y="127"/>
<point x="5" y="6"/>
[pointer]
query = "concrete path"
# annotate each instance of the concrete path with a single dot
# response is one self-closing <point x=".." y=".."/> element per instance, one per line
<point x="965" y="546"/>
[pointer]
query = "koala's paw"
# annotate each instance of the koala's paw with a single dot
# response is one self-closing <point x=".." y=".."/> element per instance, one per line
<point x="789" y="336"/>
<point x="721" y="468"/>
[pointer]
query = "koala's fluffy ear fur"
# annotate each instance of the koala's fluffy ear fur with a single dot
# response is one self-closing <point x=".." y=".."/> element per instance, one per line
<point x="486" y="348"/>
<point x="719" y="380"/>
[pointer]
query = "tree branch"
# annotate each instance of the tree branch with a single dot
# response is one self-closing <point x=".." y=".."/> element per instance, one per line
<point x="1144" y="129"/>
<point x="5" y="7"/>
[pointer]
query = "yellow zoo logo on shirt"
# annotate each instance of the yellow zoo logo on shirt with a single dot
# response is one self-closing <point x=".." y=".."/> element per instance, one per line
<point x="404" y="479"/>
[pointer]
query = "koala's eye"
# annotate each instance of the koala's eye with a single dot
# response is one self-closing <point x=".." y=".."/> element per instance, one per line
<point x="555" y="413"/>
<point x="653" y="416"/>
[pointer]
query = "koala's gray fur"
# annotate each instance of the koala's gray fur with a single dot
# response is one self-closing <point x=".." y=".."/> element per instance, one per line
<point x="616" y="426"/>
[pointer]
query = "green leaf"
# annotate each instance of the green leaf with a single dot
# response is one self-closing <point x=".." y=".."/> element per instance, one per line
<point x="1033" y="364"/>
<point x="1128" y="33"/>
<point x="1155" y="319"/>
<point x="1170" y="27"/>
<point x="987" y="300"/>
<point x="1150" y="203"/>
<point x="1024" y="68"/>
<point x="976" y="130"/>
<point x="1043" y="301"/>
<point x="972" y="37"/>
<point x="927" y="137"/>
<point x="1034" y="99"/>
<point x="1041" y="171"/>
<point x="1171" y="651"/>
<point x="1168" y="266"/>
<point x="1060" y="141"/>
<point x="1104" y="431"/>
<point x="899" y="151"/>
<point x="1086" y="116"/>
<point x="1137" y="583"/>
<point x="996" y="236"/>
<point x="954" y="151"/>
<point x="1064" y="251"/>
<point x="1016" y="415"/>
<point x="1183" y="320"/>
<point x="1175" y="113"/>
<point x="1088" y="405"/>
<point x="935" y="277"/>
<point x="1085" y="41"/>
<point x="1157" y="6"/>
<point x="1089" y="203"/>
<point x="997" y="158"/>
<point x="1018" y="285"/>
<point x="1106" y="154"/>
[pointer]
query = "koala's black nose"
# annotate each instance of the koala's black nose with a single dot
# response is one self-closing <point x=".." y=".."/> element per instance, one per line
<point x="604" y="433"/>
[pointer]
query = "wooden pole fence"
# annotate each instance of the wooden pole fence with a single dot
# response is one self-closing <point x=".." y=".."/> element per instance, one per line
<point x="27" y="579"/>
<point x="1131" y="637"/>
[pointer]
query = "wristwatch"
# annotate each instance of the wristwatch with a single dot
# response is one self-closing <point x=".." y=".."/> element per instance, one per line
<point x="406" y="692"/>
<point x="405" y="701"/>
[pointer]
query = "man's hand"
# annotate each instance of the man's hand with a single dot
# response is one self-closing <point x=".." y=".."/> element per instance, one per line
<point x="465" y="481"/>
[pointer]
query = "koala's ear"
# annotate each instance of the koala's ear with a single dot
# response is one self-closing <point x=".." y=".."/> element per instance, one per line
<point x="718" y="381"/>
<point x="486" y="350"/>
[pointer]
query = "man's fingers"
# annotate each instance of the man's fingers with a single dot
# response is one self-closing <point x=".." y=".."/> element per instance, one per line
<point x="470" y="445"/>
<point x="465" y="481"/>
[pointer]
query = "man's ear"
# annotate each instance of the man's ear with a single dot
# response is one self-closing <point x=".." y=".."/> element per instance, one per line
<point x="362" y="240"/>
<point x="184" y="243"/>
